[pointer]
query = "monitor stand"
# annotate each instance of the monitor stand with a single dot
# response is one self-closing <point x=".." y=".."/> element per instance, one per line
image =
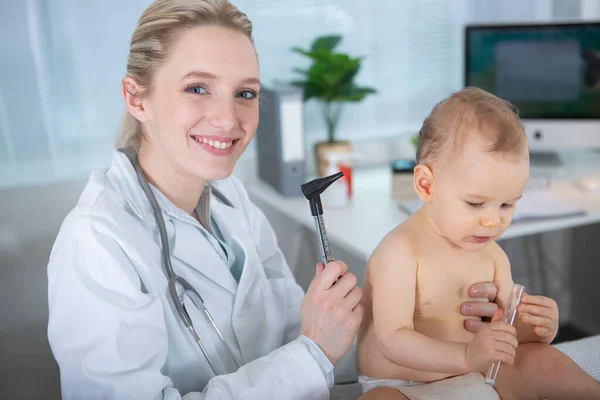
<point x="545" y="159"/>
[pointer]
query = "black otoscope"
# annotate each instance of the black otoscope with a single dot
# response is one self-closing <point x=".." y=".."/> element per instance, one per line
<point x="312" y="191"/>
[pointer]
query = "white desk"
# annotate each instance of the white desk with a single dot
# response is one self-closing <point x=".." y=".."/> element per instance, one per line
<point x="359" y="227"/>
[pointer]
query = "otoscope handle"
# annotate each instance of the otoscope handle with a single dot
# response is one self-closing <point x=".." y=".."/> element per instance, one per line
<point x="322" y="239"/>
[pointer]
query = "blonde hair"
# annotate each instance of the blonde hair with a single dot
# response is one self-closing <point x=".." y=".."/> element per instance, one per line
<point x="471" y="111"/>
<point x="158" y="27"/>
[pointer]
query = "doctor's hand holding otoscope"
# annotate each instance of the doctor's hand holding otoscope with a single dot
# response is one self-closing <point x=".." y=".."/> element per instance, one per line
<point x="331" y="311"/>
<point x="333" y="288"/>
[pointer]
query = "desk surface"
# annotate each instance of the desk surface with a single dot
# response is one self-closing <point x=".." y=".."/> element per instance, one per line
<point x="372" y="213"/>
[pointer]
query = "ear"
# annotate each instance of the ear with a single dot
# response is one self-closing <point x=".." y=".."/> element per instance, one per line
<point x="133" y="101"/>
<point x="423" y="182"/>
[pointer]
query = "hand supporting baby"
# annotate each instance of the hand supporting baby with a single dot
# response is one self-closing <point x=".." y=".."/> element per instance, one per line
<point x="483" y="310"/>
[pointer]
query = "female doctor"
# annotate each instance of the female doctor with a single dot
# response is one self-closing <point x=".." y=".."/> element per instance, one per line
<point x="165" y="281"/>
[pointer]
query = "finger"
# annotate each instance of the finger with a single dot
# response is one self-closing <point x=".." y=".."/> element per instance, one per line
<point x="506" y="349"/>
<point x="478" y="309"/>
<point x="342" y="265"/>
<point x="504" y="357"/>
<point x="501" y="326"/>
<point x="344" y="285"/>
<point x="538" y="300"/>
<point x="507" y="338"/>
<point x="475" y="325"/>
<point x="543" y="331"/>
<point x="320" y="268"/>
<point x="537" y="321"/>
<point x="497" y="316"/>
<point x="359" y="311"/>
<point x="356" y="318"/>
<point x="484" y="289"/>
<point x="537" y="310"/>
<point x="331" y="273"/>
<point x="353" y="297"/>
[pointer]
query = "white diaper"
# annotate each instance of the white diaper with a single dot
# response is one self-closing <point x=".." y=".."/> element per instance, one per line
<point x="461" y="387"/>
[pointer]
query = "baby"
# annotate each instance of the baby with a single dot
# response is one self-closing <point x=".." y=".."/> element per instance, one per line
<point x="472" y="167"/>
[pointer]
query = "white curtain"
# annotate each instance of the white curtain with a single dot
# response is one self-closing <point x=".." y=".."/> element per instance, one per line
<point x="61" y="62"/>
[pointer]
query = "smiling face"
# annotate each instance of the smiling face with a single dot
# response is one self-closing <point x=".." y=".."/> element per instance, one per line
<point x="202" y="110"/>
<point x="473" y="197"/>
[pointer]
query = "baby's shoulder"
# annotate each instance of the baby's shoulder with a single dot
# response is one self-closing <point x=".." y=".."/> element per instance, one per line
<point x="403" y="237"/>
<point x="494" y="252"/>
<point x="399" y="244"/>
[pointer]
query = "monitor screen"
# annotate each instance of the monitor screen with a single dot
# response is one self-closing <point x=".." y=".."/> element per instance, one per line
<point x="546" y="71"/>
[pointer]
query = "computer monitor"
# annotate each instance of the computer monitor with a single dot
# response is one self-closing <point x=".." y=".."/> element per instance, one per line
<point x="550" y="72"/>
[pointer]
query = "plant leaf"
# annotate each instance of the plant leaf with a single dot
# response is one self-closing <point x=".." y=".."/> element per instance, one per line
<point x="301" y="71"/>
<point x="325" y="43"/>
<point x="303" y="52"/>
<point x="330" y="77"/>
<point x="354" y="93"/>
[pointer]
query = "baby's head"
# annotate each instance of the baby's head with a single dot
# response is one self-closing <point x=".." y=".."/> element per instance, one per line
<point x="472" y="167"/>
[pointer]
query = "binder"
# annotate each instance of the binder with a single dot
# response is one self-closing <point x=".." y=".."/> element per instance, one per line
<point x="280" y="139"/>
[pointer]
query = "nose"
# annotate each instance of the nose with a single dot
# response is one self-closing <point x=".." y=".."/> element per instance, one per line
<point x="222" y="115"/>
<point x="492" y="221"/>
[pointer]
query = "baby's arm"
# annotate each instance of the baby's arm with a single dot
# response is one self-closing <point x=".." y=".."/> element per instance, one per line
<point x="393" y="276"/>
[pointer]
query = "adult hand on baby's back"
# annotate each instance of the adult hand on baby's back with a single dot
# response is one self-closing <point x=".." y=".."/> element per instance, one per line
<point x="480" y="309"/>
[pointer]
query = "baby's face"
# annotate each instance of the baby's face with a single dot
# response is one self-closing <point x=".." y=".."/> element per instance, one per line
<point x="474" y="197"/>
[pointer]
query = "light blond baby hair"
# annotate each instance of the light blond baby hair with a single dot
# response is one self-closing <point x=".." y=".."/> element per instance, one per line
<point x="470" y="114"/>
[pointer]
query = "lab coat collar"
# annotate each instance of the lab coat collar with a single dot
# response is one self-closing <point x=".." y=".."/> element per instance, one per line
<point x="123" y="178"/>
<point x="201" y="257"/>
<point x="231" y="223"/>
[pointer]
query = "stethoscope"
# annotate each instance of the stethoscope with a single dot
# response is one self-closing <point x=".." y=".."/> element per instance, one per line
<point x="171" y="276"/>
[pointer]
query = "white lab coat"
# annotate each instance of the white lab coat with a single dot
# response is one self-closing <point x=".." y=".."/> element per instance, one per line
<point x="113" y="329"/>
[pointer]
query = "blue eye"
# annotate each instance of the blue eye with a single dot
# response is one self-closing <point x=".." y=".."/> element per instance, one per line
<point x="247" y="94"/>
<point x="196" y="89"/>
<point x="474" y="205"/>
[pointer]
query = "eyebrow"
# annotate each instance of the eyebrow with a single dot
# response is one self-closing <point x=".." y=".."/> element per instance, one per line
<point x="208" y="75"/>
<point x="487" y="198"/>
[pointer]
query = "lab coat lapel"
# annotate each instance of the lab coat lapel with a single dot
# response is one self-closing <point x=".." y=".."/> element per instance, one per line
<point x="232" y="223"/>
<point x="248" y="319"/>
<point x="191" y="247"/>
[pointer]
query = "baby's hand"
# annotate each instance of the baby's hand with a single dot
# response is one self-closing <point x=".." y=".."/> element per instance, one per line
<point x="542" y="313"/>
<point x="495" y="342"/>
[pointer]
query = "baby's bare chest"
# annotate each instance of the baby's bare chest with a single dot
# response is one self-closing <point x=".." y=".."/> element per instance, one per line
<point x="443" y="282"/>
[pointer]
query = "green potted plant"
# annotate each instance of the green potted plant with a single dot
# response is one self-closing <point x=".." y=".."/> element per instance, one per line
<point x="330" y="80"/>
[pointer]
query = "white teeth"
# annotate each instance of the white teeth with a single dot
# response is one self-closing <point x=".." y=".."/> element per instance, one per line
<point x="214" y="143"/>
